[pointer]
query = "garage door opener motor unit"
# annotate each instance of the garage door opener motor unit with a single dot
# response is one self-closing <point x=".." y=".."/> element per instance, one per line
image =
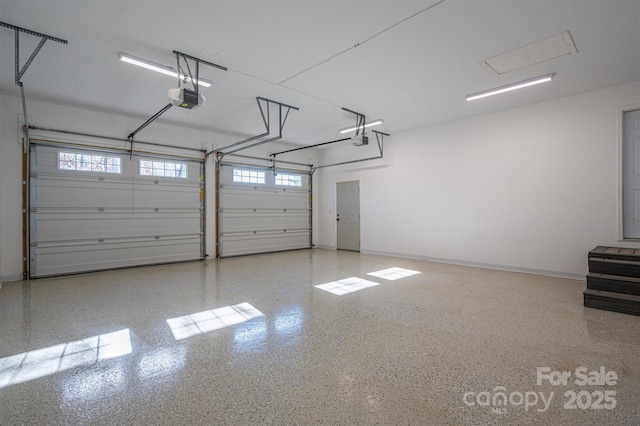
<point x="359" y="140"/>
<point x="179" y="96"/>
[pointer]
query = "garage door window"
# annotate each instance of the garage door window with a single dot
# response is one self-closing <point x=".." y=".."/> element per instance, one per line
<point x="163" y="168"/>
<point x="88" y="162"/>
<point x="288" y="180"/>
<point x="248" y="176"/>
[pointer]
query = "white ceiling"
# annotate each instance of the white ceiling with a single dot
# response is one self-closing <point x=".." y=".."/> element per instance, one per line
<point x="408" y="62"/>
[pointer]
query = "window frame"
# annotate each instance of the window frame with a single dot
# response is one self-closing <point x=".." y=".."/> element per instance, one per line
<point x="153" y="167"/>
<point x="261" y="178"/>
<point x="78" y="161"/>
<point x="297" y="180"/>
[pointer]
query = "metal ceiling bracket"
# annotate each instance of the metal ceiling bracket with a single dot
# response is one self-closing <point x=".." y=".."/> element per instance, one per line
<point x="282" y="120"/>
<point x="266" y="119"/>
<point x="380" y="139"/>
<point x="197" y="61"/>
<point x="360" y="120"/>
<point x="19" y="73"/>
<point x="267" y="125"/>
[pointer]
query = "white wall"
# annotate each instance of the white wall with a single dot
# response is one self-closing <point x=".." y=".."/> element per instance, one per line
<point x="2" y="113"/>
<point x="49" y="115"/>
<point x="3" y="135"/>
<point x="531" y="189"/>
<point x="10" y="190"/>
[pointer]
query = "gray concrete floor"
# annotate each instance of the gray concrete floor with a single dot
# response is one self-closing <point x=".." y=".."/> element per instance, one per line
<point x="440" y="347"/>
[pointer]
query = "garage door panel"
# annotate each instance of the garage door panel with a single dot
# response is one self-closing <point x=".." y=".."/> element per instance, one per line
<point x="59" y="196"/>
<point x="47" y="160"/>
<point x="242" y="244"/>
<point x="96" y="181"/>
<point x="55" y="260"/>
<point x="57" y="227"/>
<point x="51" y="192"/>
<point x="262" y="216"/>
<point x="166" y="197"/>
<point x="249" y="198"/>
<point x="83" y="220"/>
<point x="256" y="222"/>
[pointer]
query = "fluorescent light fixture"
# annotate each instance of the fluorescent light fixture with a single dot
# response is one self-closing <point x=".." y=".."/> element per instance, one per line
<point x="510" y="87"/>
<point x="153" y="66"/>
<point x="369" y="124"/>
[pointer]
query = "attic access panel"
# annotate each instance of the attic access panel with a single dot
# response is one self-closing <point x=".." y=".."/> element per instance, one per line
<point x="534" y="53"/>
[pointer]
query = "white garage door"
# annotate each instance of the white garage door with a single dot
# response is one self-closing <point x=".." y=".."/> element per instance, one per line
<point x="262" y="211"/>
<point x="93" y="210"/>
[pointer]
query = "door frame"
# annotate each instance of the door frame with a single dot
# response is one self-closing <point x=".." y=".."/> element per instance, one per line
<point x="621" y="112"/>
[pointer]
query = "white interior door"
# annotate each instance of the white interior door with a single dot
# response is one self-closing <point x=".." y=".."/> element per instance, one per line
<point x="631" y="174"/>
<point x="348" y="215"/>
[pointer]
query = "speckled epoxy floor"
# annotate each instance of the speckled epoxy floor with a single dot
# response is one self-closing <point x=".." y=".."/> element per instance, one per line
<point x="418" y="350"/>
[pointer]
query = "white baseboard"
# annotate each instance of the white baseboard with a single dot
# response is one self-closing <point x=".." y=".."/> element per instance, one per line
<point x="482" y="265"/>
<point x="9" y="278"/>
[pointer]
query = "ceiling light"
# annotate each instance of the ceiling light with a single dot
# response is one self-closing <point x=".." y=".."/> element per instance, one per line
<point x="153" y="66"/>
<point x="510" y="87"/>
<point x="369" y="124"/>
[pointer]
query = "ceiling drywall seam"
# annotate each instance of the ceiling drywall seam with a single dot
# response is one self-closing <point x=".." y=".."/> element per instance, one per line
<point x="362" y="42"/>
<point x="324" y="61"/>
